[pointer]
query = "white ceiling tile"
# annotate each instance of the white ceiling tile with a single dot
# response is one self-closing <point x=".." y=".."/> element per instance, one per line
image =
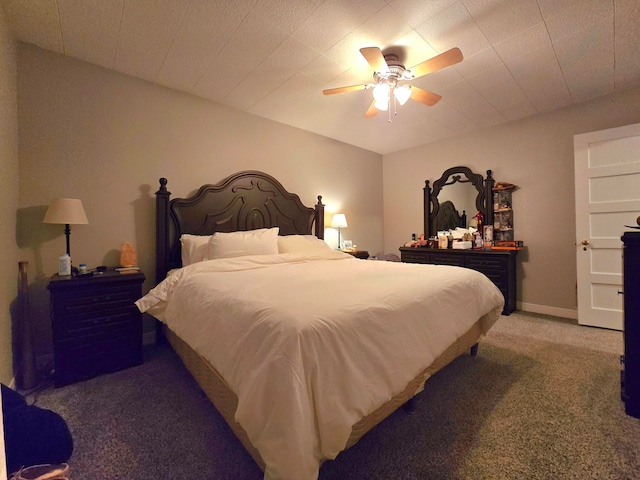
<point x="501" y="19"/>
<point x="334" y="20"/>
<point x="523" y="42"/>
<point x="250" y="45"/>
<point x="587" y="61"/>
<point x="549" y="8"/>
<point x="347" y="51"/>
<point x="464" y="97"/>
<point x="414" y="49"/>
<point x="627" y="40"/>
<point x="484" y="60"/>
<point x="262" y="81"/>
<point x="294" y="89"/>
<point x="453" y="27"/>
<point x="578" y="17"/>
<point x="452" y="118"/>
<point x="540" y="78"/>
<point x="323" y="69"/>
<point x="417" y="12"/>
<point x="387" y="26"/>
<point x="35" y="22"/>
<point x="293" y="54"/>
<point x="90" y="29"/>
<point x="287" y="16"/>
<point x="148" y="28"/>
<point x="500" y="89"/>
<point x="438" y="80"/>
<point x="204" y="30"/>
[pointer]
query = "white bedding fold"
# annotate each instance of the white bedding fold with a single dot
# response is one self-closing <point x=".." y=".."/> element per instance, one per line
<point x="311" y="344"/>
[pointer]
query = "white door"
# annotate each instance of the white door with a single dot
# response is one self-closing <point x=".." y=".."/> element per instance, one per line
<point x="607" y="183"/>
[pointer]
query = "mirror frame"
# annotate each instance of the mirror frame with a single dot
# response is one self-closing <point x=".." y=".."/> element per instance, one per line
<point x="484" y="187"/>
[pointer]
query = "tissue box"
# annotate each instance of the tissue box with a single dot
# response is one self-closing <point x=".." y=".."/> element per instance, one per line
<point x="462" y="245"/>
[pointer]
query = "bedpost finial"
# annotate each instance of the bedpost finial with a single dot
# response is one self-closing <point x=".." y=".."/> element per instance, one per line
<point x="319" y="199"/>
<point x="163" y="183"/>
<point x="489" y="173"/>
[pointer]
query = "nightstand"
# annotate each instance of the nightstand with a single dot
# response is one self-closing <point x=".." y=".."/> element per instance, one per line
<point x="363" y="254"/>
<point x="96" y="326"/>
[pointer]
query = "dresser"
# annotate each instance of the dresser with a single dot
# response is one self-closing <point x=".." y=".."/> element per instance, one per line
<point x="498" y="265"/>
<point x="96" y="326"/>
<point x="631" y="322"/>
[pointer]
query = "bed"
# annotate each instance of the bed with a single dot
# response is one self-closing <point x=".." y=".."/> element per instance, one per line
<point x="301" y="348"/>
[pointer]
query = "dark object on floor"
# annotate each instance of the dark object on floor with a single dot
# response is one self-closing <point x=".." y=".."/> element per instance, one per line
<point x="59" y="471"/>
<point x="33" y="435"/>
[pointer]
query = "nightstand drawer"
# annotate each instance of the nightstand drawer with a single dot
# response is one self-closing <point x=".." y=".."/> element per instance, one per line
<point x="97" y="324"/>
<point x="75" y="362"/>
<point x="92" y="300"/>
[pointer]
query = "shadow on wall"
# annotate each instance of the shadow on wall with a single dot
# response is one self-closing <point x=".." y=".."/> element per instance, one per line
<point x="31" y="234"/>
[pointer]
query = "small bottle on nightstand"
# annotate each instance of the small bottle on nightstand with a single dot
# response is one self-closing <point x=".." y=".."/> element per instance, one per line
<point x="64" y="265"/>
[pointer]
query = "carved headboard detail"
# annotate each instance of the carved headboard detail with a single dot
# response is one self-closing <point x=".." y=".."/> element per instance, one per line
<point x="243" y="201"/>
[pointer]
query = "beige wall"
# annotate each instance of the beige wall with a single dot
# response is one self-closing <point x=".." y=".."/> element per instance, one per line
<point x="106" y="138"/>
<point x="537" y="155"/>
<point x="8" y="194"/>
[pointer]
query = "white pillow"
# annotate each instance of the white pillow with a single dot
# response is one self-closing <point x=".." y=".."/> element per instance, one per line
<point x="263" y="241"/>
<point x="194" y="248"/>
<point x="301" y="244"/>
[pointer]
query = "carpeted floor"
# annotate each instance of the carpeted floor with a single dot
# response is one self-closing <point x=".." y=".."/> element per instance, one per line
<point x="540" y="401"/>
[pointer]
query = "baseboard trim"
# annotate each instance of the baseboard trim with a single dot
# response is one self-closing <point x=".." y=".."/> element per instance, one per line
<point x="547" y="310"/>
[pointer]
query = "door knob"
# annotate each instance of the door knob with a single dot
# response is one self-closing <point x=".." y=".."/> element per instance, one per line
<point x="585" y="242"/>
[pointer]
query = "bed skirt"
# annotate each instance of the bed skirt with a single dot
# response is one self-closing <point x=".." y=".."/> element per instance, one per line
<point x="226" y="402"/>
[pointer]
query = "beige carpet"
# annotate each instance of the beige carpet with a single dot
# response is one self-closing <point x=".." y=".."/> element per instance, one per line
<point x="540" y="401"/>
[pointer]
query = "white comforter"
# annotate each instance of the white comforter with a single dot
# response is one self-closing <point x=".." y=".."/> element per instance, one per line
<point x="311" y="344"/>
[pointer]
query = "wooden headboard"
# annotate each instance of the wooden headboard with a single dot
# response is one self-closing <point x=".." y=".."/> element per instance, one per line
<point x="243" y="201"/>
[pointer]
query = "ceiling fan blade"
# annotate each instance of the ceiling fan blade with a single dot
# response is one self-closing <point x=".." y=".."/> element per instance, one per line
<point x="352" y="88"/>
<point x="374" y="56"/>
<point x="450" y="57"/>
<point x="423" y="96"/>
<point x="372" y="111"/>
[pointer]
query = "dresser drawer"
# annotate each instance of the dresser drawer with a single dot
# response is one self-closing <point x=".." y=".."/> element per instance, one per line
<point x="486" y="263"/>
<point x="444" y="259"/>
<point x="414" y="257"/>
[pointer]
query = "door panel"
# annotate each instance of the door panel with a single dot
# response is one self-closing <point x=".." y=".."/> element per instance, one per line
<point x="607" y="175"/>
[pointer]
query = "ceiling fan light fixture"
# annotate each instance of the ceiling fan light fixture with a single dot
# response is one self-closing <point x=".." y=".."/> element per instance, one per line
<point x="388" y="72"/>
<point x="402" y="94"/>
<point x="382" y="104"/>
<point x="381" y="92"/>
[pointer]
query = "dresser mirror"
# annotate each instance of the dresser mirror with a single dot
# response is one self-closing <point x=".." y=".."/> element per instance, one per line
<point x="455" y="198"/>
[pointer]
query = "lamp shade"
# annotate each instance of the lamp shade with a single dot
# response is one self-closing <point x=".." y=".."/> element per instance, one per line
<point x="339" y="220"/>
<point x="66" y="211"/>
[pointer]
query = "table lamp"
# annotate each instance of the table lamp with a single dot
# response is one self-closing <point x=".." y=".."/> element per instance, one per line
<point x="339" y="221"/>
<point x="66" y="211"/>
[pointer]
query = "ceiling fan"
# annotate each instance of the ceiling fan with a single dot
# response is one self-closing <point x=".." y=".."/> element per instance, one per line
<point x="390" y="75"/>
